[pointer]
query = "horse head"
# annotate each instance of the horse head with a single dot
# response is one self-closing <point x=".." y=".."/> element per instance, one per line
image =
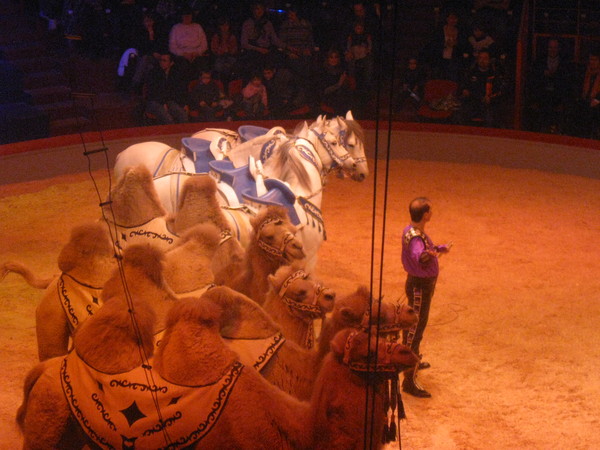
<point x="326" y="141"/>
<point x="352" y="136"/>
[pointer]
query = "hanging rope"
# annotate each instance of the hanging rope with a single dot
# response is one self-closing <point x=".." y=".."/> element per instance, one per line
<point x="111" y="224"/>
<point x="393" y="394"/>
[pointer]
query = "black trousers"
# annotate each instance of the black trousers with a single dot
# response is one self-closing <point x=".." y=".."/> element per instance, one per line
<point x="419" y="292"/>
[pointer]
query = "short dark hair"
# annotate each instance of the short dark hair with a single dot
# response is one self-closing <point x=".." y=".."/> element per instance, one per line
<point x="418" y="207"/>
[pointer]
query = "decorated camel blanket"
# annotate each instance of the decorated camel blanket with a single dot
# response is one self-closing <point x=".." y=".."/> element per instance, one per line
<point x="154" y="232"/>
<point x="78" y="300"/>
<point x="255" y="352"/>
<point x="139" y="409"/>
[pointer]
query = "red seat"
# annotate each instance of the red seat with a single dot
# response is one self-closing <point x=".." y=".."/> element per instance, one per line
<point x="435" y="91"/>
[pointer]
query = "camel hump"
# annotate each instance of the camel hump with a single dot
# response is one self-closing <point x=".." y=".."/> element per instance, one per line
<point x="86" y="242"/>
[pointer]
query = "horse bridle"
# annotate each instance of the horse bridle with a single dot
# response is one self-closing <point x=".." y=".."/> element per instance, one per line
<point x="344" y="137"/>
<point x="268" y="248"/>
<point x="338" y="160"/>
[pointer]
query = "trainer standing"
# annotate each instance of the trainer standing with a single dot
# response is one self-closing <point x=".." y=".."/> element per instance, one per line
<point x="420" y="260"/>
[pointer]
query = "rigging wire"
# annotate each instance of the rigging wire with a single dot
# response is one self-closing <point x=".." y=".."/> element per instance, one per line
<point x="112" y="228"/>
<point x="370" y="394"/>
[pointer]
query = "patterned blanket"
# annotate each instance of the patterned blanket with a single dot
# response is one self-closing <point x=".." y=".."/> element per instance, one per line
<point x="139" y="409"/>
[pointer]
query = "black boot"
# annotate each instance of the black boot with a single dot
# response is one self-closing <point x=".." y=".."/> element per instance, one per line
<point x="410" y="385"/>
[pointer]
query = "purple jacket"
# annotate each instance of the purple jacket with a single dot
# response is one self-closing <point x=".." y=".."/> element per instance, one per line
<point x="414" y="243"/>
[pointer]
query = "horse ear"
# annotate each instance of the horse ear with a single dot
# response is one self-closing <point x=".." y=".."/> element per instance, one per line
<point x="349" y="115"/>
<point x="341" y="123"/>
<point x="304" y="130"/>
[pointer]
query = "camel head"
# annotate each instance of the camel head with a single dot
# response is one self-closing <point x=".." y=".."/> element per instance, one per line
<point x="241" y="317"/>
<point x="349" y="310"/>
<point x="133" y="200"/>
<point x="198" y="204"/>
<point x="89" y="255"/>
<point x="303" y="295"/>
<point x="113" y="339"/>
<point x="188" y="263"/>
<point x="393" y="317"/>
<point x="372" y="354"/>
<point x="275" y="235"/>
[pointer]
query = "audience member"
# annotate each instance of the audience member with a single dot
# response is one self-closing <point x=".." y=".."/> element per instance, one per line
<point x="187" y="41"/>
<point x="412" y="82"/>
<point x="166" y="96"/>
<point x="447" y="48"/>
<point x="150" y="40"/>
<point x="224" y="47"/>
<point x="205" y="97"/>
<point x="585" y="115"/>
<point x="332" y="80"/>
<point x="254" y="97"/>
<point x="478" y="40"/>
<point x="258" y="40"/>
<point x="359" y="56"/>
<point x="282" y="91"/>
<point x="549" y="89"/>
<point x="481" y="91"/>
<point x="297" y="35"/>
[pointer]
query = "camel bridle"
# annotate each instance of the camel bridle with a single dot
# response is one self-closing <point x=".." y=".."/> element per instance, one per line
<point x="270" y="249"/>
<point x="306" y="311"/>
<point x="377" y="366"/>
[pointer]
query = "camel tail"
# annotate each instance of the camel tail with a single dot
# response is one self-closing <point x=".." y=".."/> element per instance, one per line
<point x="26" y="273"/>
<point x="30" y="380"/>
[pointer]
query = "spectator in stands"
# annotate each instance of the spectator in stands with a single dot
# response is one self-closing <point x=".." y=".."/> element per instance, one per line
<point x="412" y="82"/>
<point x="482" y="90"/>
<point x="549" y="89"/>
<point x="205" y="97"/>
<point x="447" y="48"/>
<point x="359" y="56"/>
<point x="187" y="41"/>
<point x="150" y="40"/>
<point x="585" y="115"/>
<point x="254" y="97"/>
<point x="224" y="47"/>
<point x="166" y="96"/>
<point x="368" y="16"/>
<point x="297" y="34"/>
<point x="478" y="40"/>
<point x="283" y="92"/>
<point x="258" y="40"/>
<point x="333" y="84"/>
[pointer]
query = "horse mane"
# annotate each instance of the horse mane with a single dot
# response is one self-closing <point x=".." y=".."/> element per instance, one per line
<point x="282" y="163"/>
<point x="356" y="128"/>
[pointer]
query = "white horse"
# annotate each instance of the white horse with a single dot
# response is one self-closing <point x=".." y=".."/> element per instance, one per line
<point x="297" y="161"/>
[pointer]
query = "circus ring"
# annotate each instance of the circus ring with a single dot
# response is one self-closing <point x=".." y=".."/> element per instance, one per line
<point x="513" y="338"/>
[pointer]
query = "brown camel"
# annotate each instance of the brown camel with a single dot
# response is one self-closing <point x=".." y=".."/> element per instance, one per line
<point x="295" y="300"/>
<point x="273" y="243"/>
<point x="187" y="268"/>
<point x="198" y="204"/>
<point x="135" y="212"/>
<point x="142" y="275"/>
<point x="282" y="362"/>
<point x="86" y="262"/>
<point x="109" y="342"/>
